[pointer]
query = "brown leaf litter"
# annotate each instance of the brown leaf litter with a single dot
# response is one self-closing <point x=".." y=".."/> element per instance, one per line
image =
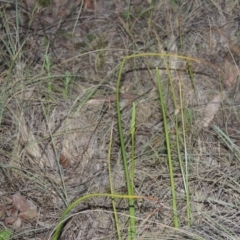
<point x="18" y="210"/>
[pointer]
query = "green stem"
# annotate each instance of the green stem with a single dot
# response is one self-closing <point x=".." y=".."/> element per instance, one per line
<point x="124" y="156"/>
<point x="76" y="202"/>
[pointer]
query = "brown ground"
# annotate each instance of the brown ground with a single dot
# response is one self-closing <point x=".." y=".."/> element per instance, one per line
<point x="57" y="117"/>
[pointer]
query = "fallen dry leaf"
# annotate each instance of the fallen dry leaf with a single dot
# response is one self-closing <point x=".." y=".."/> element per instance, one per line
<point x="90" y="4"/>
<point x="20" y="202"/>
<point x="27" y="209"/>
<point x="17" y="223"/>
<point x="28" y="215"/>
<point x="212" y="108"/>
<point x="10" y="220"/>
<point x="31" y="213"/>
<point x="11" y="211"/>
<point x="231" y="73"/>
<point x="64" y="161"/>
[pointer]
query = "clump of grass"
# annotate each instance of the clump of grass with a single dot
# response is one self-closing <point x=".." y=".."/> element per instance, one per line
<point x="127" y="174"/>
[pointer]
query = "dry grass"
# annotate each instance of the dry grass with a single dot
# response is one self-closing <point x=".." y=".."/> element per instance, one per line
<point x="56" y="116"/>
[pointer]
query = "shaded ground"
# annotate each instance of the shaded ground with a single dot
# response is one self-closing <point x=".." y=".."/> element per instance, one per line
<point x="59" y="66"/>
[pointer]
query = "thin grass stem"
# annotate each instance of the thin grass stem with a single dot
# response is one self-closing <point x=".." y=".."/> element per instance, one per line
<point x="111" y="186"/>
<point x="124" y="156"/>
<point x="170" y="164"/>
